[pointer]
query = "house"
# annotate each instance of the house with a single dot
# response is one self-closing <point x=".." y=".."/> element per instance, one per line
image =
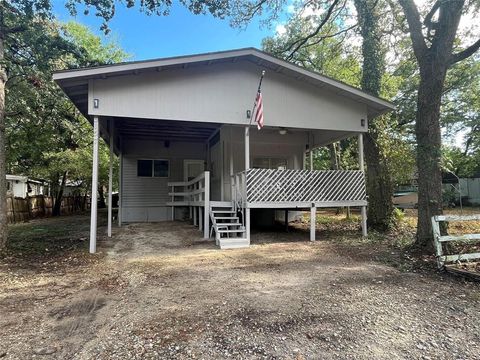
<point x="187" y="147"/>
<point x="22" y="186"/>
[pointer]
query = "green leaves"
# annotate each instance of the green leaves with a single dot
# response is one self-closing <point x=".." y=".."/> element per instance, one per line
<point x="46" y="135"/>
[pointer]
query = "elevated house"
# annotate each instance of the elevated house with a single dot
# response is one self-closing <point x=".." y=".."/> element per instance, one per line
<point x="181" y="129"/>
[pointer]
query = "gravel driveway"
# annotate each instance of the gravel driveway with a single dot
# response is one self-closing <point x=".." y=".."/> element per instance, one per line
<point x="158" y="291"/>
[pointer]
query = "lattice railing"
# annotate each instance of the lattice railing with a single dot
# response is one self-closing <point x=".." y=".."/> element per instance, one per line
<point x="285" y="186"/>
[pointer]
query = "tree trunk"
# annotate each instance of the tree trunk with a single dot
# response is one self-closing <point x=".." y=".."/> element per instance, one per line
<point x="57" y="207"/>
<point x="379" y="183"/>
<point x="101" y="198"/>
<point x="3" y="179"/>
<point x="429" y="152"/>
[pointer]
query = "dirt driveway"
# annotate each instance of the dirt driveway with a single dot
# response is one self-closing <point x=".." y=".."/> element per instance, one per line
<point x="157" y="291"/>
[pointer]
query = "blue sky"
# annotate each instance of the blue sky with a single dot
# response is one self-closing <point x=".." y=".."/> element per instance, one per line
<point x="180" y="33"/>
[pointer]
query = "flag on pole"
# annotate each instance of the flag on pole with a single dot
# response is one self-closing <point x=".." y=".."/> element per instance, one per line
<point x="259" y="112"/>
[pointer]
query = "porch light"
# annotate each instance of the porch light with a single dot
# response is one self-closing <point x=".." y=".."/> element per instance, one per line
<point x="282" y="131"/>
<point x="96" y="103"/>
<point x="362" y="122"/>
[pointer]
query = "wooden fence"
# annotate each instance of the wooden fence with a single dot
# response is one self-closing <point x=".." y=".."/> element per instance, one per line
<point x="24" y="209"/>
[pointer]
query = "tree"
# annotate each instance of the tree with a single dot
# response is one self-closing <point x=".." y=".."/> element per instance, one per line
<point x="379" y="182"/>
<point x="433" y="45"/>
<point x="17" y="16"/>
<point x="311" y="39"/>
<point x="55" y="153"/>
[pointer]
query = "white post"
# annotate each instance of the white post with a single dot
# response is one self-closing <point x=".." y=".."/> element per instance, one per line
<point x="93" y="206"/>
<point x="110" y="182"/>
<point x="120" y="192"/>
<point x="232" y="175"/>
<point x="200" y="218"/>
<point x="363" y="209"/>
<point x="313" y="222"/>
<point x="247" y="166"/>
<point x="247" y="224"/>
<point x="247" y="148"/>
<point x="311" y="159"/>
<point x="206" y="218"/>
<point x="194" y="215"/>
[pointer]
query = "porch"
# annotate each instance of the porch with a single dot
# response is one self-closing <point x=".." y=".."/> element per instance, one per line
<point x="298" y="190"/>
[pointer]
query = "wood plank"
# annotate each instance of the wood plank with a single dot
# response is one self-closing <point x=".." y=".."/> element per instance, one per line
<point x="457" y="217"/>
<point x="460" y="257"/>
<point x="466" y="237"/>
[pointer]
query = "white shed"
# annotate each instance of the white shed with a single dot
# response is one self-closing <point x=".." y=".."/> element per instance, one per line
<point x="22" y="186"/>
<point x="187" y="146"/>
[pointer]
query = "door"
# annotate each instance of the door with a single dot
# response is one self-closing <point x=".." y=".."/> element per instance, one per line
<point x="192" y="168"/>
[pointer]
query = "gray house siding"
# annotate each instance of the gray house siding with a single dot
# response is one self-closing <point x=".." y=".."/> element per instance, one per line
<point x="187" y="93"/>
<point x="144" y="199"/>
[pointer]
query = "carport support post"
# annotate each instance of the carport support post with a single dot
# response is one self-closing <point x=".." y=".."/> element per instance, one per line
<point x="93" y="205"/>
<point x="313" y="221"/>
<point x="110" y="181"/>
<point x="206" y="217"/>
<point x="247" y="166"/>
<point x="363" y="209"/>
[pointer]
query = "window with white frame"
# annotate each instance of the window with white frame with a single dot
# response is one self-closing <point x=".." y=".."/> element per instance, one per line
<point x="153" y="168"/>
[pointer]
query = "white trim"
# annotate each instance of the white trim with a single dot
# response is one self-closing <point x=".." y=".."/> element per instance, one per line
<point x="304" y="205"/>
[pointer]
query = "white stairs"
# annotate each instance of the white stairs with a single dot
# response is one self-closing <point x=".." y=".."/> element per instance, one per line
<point x="229" y="231"/>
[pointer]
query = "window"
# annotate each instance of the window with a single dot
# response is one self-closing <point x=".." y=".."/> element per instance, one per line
<point x="153" y="168"/>
<point x="160" y="168"/>
<point x="270" y="163"/>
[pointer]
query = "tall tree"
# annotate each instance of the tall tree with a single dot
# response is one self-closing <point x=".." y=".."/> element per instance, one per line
<point x="309" y="39"/>
<point x="433" y="45"/>
<point x="379" y="181"/>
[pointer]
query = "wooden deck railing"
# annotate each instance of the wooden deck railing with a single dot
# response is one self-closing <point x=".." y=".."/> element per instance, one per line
<point x="301" y="188"/>
<point x="196" y="195"/>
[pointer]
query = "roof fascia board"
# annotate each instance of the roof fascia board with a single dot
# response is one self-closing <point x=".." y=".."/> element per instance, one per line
<point x="101" y="70"/>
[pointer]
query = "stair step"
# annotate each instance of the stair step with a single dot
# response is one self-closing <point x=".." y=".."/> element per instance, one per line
<point x="228" y="231"/>
<point x="228" y="224"/>
<point x="226" y="217"/>
<point x="233" y="243"/>
<point x="223" y="211"/>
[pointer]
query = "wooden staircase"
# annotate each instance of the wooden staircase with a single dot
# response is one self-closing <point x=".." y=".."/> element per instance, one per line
<point x="229" y="231"/>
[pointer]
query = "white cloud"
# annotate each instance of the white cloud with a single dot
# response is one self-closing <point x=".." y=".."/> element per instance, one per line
<point x="280" y="29"/>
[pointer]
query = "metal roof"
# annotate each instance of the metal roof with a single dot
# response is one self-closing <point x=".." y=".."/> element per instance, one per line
<point x="74" y="82"/>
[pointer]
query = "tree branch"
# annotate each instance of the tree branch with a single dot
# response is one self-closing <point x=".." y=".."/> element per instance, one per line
<point x="296" y="45"/>
<point x="415" y="27"/>
<point x="462" y="55"/>
<point x="428" y="18"/>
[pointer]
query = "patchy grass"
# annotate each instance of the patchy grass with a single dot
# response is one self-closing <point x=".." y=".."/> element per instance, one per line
<point x="50" y="240"/>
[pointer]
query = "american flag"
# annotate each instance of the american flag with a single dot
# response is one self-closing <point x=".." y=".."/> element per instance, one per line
<point x="259" y="112"/>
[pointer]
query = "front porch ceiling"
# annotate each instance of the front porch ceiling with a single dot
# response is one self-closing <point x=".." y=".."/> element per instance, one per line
<point x="132" y="128"/>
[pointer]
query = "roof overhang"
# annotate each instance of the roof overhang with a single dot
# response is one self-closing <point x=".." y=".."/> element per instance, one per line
<point x="75" y="82"/>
